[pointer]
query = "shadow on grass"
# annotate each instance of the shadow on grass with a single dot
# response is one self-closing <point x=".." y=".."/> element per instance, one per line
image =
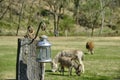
<point x="61" y="75"/>
<point x="118" y="78"/>
<point x="96" y="78"/>
<point x="9" y="79"/>
<point x="81" y="77"/>
<point x="48" y="70"/>
<point x="66" y="74"/>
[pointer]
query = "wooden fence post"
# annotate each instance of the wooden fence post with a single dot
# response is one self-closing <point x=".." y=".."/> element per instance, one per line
<point x="27" y="68"/>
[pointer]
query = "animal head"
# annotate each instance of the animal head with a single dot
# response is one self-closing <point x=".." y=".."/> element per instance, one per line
<point x="54" y="66"/>
<point x="78" y="70"/>
<point x="54" y="63"/>
<point x="90" y="45"/>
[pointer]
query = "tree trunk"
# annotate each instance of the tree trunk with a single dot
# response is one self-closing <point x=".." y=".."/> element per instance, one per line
<point x="103" y="18"/>
<point x="92" y="33"/>
<point x="4" y="12"/>
<point x="19" y="20"/>
<point x="30" y="15"/>
<point x="76" y="10"/>
<point x="56" y="25"/>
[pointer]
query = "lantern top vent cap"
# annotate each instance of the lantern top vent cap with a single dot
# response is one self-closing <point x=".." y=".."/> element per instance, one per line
<point x="43" y="41"/>
<point x="43" y="37"/>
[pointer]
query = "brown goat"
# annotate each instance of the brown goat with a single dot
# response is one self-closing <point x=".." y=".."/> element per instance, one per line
<point x="90" y="46"/>
<point x="69" y="63"/>
<point x="76" y="55"/>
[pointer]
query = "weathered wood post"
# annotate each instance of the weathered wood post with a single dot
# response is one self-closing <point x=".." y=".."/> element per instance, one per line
<point x="31" y="58"/>
<point x="27" y="68"/>
<point x="28" y="65"/>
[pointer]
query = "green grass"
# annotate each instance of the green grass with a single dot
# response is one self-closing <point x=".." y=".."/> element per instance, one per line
<point x="103" y="65"/>
<point x="8" y="49"/>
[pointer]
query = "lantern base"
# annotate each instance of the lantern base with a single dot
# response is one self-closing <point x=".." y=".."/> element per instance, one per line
<point x="44" y="61"/>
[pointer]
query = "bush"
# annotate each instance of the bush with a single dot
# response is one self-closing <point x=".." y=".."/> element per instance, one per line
<point x="67" y="23"/>
<point x="4" y="32"/>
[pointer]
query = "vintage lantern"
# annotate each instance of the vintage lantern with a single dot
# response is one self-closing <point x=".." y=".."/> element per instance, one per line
<point x="43" y="50"/>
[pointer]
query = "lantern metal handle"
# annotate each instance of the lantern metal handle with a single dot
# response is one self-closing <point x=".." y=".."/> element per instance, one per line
<point x="40" y="25"/>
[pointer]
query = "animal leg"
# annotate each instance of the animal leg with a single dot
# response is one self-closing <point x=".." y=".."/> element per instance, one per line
<point x="70" y="71"/>
<point x="62" y="70"/>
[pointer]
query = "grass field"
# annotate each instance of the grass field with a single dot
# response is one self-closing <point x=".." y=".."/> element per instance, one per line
<point x="103" y="65"/>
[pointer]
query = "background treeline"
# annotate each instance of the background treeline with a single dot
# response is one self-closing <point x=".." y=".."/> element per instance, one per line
<point x="62" y="17"/>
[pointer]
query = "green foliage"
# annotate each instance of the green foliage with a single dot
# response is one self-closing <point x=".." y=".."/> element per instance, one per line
<point x="7" y="28"/>
<point x="90" y="5"/>
<point x="67" y="23"/>
<point x="5" y="25"/>
<point x="45" y="12"/>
